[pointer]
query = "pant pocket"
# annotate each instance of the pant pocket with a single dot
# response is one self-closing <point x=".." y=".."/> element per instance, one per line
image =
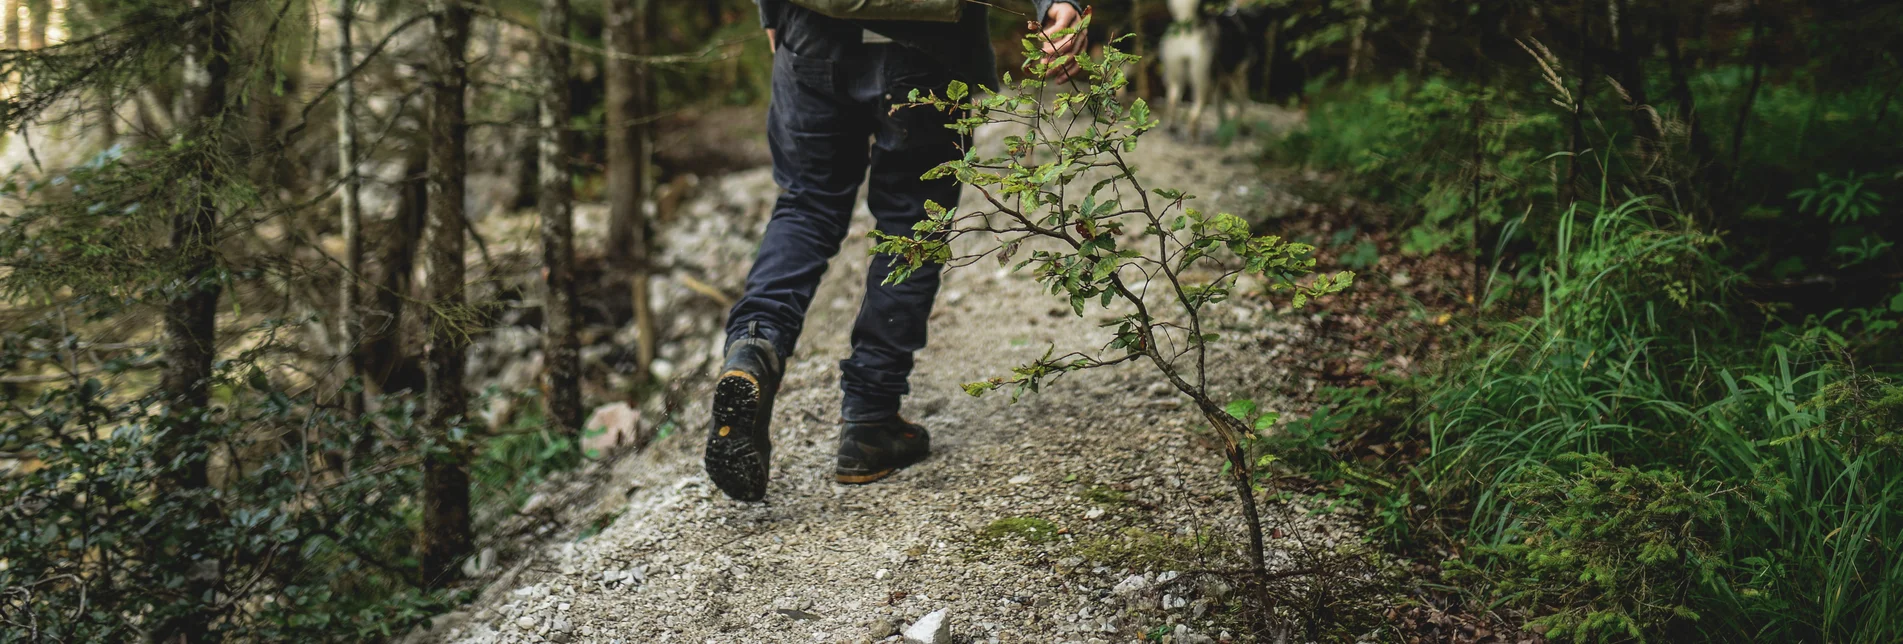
<point x="811" y="74"/>
<point x="907" y="69"/>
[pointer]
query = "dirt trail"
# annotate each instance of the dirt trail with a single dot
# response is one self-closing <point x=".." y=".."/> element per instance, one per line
<point x="1067" y="517"/>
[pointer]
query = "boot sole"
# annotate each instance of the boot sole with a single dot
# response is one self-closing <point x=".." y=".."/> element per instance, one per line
<point x="862" y="479"/>
<point x="735" y="464"/>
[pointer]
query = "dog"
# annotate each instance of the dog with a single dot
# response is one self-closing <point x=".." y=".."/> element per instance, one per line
<point x="1188" y="58"/>
<point x="1207" y="58"/>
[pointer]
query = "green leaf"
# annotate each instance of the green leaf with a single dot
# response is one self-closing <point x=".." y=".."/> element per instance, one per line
<point x="1240" y="409"/>
<point x="1266" y="420"/>
<point x="957" y="90"/>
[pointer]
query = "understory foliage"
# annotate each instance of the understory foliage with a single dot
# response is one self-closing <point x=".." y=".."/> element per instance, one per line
<point x="1672" y="415"/>
<point x="1632" y="464"/>
<point x="271" y="513"/>
<point x="95" y="548"/>
<point x="1062" y="202"/>
<point x="1617" y="548"/>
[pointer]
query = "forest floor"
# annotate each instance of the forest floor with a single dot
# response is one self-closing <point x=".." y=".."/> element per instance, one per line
<point x="1093" y="511"/>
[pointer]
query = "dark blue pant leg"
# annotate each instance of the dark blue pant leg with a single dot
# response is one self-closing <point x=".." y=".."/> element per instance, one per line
<point x="893" y="318"/>
<point x="817" y="135"/>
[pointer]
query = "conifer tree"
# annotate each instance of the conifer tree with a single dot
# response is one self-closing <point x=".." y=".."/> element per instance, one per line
<point x="560" y="348"/>
<point x="445" y="536"/>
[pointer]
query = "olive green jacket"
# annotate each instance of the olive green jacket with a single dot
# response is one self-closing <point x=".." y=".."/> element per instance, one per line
<point x="964" y="47"/>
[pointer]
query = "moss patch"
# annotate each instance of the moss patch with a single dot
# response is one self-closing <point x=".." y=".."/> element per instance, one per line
<point x="1105" y="495"/>
<point x="1141" y="549"/>
<point x="1030" y="530"/>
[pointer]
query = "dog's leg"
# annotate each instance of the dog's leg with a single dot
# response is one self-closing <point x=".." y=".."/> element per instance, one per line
<point x="1203" y="62"/>
<point x="1237" y="95"/>
<point x="1172" y="92"/>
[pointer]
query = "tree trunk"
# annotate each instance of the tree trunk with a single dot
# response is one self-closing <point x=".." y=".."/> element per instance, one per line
<point x="41" y="12"/>
<point x="560" y="348"/>
<point x="1242" y="475"/>
<point x="1630" y="64"/>
<point x="350" y="302"/>
<point x="445" y="538"/>
<point x="1883" y="106"/>
<point x="628" y="104"/>
<point x="191" y="314"/>
<point x="13" y="24"/>
<point x="1704" y="159"/>
<point x="1568" y="192"/>
<point x="390" y="364"/>
<point x="1357" y="36"/>
<point x="1421" y="47"/>
<point x="1479" y="116"/>
<point x="1706" y="170"/>
<point x="1750" y="92"/>
<point x="1271" y="40"/>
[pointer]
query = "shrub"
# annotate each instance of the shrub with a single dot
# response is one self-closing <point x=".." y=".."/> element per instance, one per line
<point x="97" y="547"/>
<point x="1087" y="244"/>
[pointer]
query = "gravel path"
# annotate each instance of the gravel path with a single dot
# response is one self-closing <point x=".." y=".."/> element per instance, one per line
<point x="1079" y="514"/>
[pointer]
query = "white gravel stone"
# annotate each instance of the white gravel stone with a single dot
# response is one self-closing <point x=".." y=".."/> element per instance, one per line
<point x="933" y="628"/>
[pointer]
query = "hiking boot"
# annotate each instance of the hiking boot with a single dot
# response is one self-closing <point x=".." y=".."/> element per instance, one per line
<point x="739" y="446"/>
<point x="869" y="451"/>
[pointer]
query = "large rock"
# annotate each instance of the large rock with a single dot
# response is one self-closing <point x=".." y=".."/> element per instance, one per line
<point x="611" y="428"/>
<point x="934" y="628"/>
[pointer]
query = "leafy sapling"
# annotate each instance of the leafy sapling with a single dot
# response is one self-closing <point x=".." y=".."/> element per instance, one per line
<point x="1065" y="202"/>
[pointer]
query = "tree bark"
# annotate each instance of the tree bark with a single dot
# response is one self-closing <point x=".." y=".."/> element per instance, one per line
<point x="629" y="103"/>
<point x="391" y="364"/>
<point x="560" y="348"/>
<point x="1357" y="38"/>
<point x="191" y="314"/>
<point x="1241" y="474"/>
<point x="1704" y="159"/>
<point x="445" y="538"/>
<point x="13" y="24"/>
<point x="350" y="301"/>
<point x="1421" y="47"/>
<point x="1271" y="41"/>
<point x="1568" y="193"/>
<point x="1750" y="92"/>
<point x="1479" y="116"/>
<point x="1628" y="56"/>
<point x="41" y="12"/>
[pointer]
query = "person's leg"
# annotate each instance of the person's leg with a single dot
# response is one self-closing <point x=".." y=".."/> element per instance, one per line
<point x="892" y="320"/>
<point x="817" y="135"/>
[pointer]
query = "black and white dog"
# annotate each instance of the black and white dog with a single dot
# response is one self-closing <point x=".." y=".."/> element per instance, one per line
<point x="1207" y="57"/>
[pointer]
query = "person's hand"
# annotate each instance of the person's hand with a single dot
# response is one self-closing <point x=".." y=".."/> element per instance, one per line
<point x="772" y="42"/>
<point x="1061" y="16"/>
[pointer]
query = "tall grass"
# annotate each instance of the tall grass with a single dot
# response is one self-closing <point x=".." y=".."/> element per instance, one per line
<point x="1766" y="444"/>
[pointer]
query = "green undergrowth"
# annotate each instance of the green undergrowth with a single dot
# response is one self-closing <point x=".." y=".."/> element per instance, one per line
<point x="1442" y="152"/>
<point x="1633" y="457"/>
<point x="323" y="527"/>
<point x="1675" y="413"/>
